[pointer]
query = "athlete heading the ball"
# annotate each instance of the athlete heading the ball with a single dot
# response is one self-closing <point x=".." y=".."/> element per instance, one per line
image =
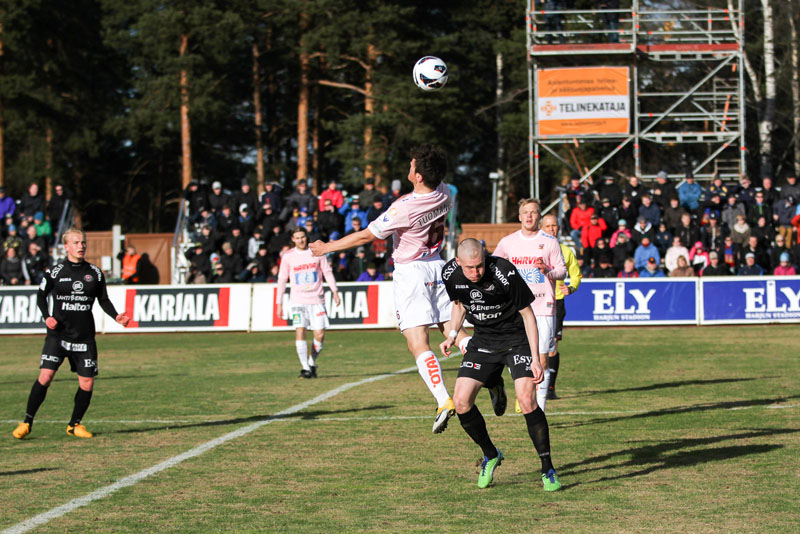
<point x="416" y="222"/>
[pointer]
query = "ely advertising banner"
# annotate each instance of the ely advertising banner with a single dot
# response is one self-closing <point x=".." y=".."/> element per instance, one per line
<point x="751" y="300"/>
<point x="583" y="101"/>
<point x="633" y="302"/>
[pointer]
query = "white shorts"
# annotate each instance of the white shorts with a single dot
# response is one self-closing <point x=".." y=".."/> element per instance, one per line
<point x="420" y="298"/>
<point x="546" y="325"/>
<point x="309" y="316"/>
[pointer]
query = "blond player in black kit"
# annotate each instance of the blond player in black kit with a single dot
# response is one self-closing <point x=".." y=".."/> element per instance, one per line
<point x="74" y="285"/>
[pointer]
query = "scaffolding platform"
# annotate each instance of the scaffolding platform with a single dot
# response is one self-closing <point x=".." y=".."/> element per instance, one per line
<point x="704" y="45"/>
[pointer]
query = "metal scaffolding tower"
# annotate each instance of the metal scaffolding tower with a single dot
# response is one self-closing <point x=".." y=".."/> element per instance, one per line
<point x="705" y="46"/>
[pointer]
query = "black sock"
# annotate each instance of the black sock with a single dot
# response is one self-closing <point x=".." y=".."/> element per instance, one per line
<point x="82" y="398"/>
<point x="554" y="370"/>
<point x="35" y="399"/>
<point x="539" y="432"/>
<point x="475" y="426"/>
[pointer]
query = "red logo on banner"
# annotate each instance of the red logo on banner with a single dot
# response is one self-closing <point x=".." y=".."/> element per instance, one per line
<point x="174" y="306"/>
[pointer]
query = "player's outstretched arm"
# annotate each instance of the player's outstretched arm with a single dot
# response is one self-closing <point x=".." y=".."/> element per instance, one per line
<point x="532" y="331"/>
<point x="457" y="314"/>
<point x="362" y="237"/>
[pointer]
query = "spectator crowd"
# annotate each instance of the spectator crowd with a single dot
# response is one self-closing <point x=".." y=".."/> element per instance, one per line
<point x="239" y="236"/>
<point x="27" y="229"/>
<point x="634" y="231"/>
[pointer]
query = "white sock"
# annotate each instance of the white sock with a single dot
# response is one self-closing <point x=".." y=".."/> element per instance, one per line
<point x="315" y="353"/>
<point x="541" y="390"/>
<point x="302" y="353"/>
<point x="431" y="373"/>
<point x="463" y="345"/>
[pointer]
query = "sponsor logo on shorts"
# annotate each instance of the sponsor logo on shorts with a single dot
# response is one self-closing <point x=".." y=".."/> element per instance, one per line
<point x="89" y="363"/>
<point x="48" y="358"/>
<point x="471" y="365"/>
<point x="520" y="359"/>
<point x="74" y="347"/>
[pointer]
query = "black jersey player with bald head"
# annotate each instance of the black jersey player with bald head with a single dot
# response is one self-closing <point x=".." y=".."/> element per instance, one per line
<point x="74" y="285"/>
<point x="490" y="292"/>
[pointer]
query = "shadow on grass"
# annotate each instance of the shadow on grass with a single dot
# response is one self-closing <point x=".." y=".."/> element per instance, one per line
<point x="69" y="377"/>
<point x="728" y="405"/>
<point x="669" y="455"/>
<point x="305" y="415"/>
<point x="26" y="471"/>
<point x="667" y="385"/>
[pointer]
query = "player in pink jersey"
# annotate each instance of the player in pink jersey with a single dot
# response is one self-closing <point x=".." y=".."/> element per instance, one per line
<point x="304" y="272"/>
<point x="538" y="258"/>
<point x="416" y="222"/>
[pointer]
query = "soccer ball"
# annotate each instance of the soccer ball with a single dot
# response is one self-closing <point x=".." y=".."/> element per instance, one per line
<point x="430" y="73"/>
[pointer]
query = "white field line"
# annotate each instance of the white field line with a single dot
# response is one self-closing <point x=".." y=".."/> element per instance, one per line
<point x="277" y="419"/>
<point x="130" y="480"/>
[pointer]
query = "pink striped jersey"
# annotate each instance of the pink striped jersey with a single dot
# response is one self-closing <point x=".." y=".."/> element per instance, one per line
<point x="304" y="273"/>
<point x="522" y="252"/>
<point x="416" y="223"/>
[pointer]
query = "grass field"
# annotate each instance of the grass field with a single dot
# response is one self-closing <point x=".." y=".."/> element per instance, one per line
<point x="657" y="430"/>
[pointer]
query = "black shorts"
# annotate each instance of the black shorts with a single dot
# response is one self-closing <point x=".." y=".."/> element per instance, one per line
<point x="561" y="312"/>
<point x="485" y="365"/>
<point x="82" y="356"/>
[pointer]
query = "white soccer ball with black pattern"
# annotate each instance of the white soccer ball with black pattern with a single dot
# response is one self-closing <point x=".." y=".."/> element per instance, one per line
<point x="430" y="73"/>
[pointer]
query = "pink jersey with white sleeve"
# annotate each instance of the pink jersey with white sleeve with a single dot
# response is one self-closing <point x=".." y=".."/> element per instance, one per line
<point x="522" y="252"/>
<point x="304" y="273"/>
<point x="416" y="223"/>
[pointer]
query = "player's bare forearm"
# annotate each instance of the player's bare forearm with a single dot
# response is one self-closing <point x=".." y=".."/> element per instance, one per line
<point x="320" y="248"/>
<point x="457" y="315"/>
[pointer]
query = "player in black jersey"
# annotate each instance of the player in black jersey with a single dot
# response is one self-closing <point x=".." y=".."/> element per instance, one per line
<point x="74" y="285"/>
<point x="489" y="292"/>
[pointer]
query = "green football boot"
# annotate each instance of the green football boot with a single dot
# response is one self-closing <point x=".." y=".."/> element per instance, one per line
<point x="487" y="469"/>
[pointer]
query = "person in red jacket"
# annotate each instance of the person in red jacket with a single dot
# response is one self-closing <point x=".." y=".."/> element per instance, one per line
<point x="593" y="231"/>
<point x="580" y="217"/>
<point x="796" y="224"/>
<point x="333" y="194"/>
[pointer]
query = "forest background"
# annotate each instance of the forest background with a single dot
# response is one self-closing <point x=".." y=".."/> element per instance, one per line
<point x="126" y="102"/>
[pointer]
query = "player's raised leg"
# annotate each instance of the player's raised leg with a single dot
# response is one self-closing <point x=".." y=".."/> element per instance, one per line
<point x="431" y="372"/>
